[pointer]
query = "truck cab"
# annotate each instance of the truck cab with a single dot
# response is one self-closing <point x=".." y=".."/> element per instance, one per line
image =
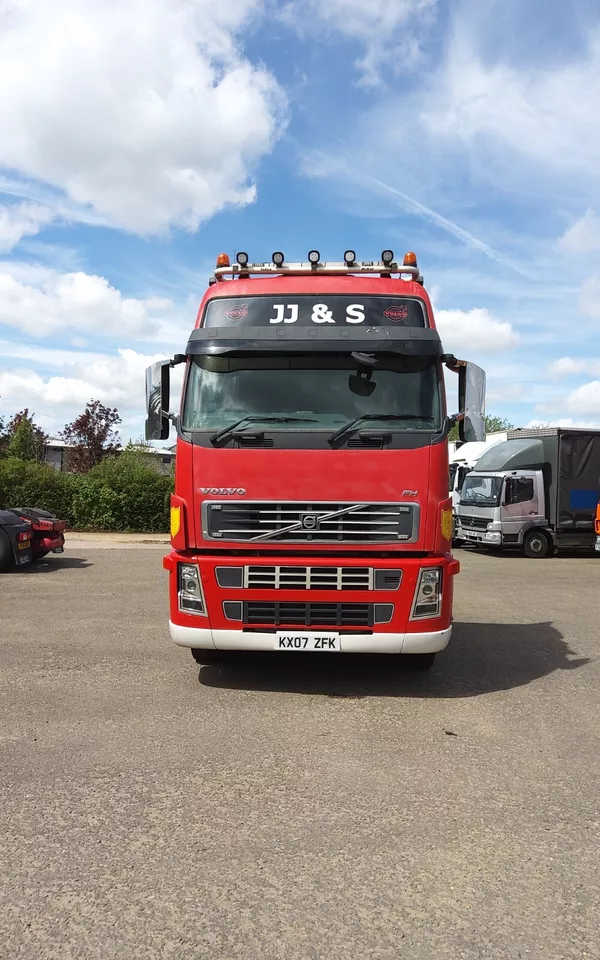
<point x="500" y="509"/>
<point x="311" y="507"/>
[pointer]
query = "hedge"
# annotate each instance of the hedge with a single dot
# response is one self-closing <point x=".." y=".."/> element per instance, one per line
<point x="120" y="494"/>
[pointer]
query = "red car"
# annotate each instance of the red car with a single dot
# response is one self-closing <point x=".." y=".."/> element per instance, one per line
<point x="48" y="532"/>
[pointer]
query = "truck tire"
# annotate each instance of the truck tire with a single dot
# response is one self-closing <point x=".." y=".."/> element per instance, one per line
<point x="536" y="545"/>
<point x="418" y="661"/>
<point x="5" y="552"/>
<point x="203" y="657"/>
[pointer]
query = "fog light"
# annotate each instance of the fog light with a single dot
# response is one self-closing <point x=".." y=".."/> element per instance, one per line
<point x="428" y="595"/>
<point x="190" y="594"/>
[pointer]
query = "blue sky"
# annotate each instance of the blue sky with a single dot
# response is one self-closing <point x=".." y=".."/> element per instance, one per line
<point x="140" y="140"/>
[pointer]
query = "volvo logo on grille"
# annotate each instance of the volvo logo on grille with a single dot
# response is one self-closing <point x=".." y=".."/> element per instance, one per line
<point x="223" y="491"/>
<point x="310" y="521"/>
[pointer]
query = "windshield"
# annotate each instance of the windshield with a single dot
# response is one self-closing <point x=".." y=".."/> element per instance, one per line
<point x="481" y="491"/>
<point x="323" y="388"/>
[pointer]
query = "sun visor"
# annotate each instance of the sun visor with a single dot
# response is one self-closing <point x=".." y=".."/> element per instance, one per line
<point x="409" y="341"/>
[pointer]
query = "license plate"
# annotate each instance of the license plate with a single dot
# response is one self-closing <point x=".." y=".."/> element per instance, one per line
<point x="58" y="550"/>
<point x="310" y="642"/>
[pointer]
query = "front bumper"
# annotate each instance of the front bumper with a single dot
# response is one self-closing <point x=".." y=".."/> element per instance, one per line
<point x="207" y="639"/>
<point x="396" y="632"/>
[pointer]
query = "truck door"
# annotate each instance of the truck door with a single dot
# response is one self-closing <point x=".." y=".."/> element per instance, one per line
<point x="521" y="504"/>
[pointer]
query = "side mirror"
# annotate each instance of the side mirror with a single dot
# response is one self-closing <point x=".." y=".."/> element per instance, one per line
<point x="471" y="395"/>
<point x="158" y="384"/>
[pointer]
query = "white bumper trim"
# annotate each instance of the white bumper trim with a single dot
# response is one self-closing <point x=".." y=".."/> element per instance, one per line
<point x="207" y="639"/>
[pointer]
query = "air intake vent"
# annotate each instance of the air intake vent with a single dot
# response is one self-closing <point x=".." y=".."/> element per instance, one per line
<point x="309" y="578"/>
<point x="387" y="579"/>
<point x="253" y="440"/>
<point x="265" y="613"/>
<point x="310" y="522"/>
<point x="371" y="443"/>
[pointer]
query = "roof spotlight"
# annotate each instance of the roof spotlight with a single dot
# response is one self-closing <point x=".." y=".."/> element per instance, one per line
<point x="387" y="256"/>
<point x="349" y="257"/>
<point x="314" y="257"/>
<point x="278" y="258"/>
<point x="242" y="259"/>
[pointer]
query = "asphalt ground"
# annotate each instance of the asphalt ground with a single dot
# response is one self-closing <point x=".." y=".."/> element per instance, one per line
<point x="286" y="807"/>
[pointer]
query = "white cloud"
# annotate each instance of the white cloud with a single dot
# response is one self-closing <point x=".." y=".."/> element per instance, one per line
<point x="20" y="220"/>
<point x="569" y="366"/>
<point x="41" y="302"/>
<point x="474" y="329"/>
<point x="388" y="30"/>
<point x="545" y="116"/>
<point x="583" y="236"/>
<point x="585" y="399"/>
<point x="116" y="380"/>
<point x="145" y="112"/>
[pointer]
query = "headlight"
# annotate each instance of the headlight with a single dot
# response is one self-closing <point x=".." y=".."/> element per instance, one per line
<point x="493" y="536"/>
<point x="190" y="594"/>
<point x="428" y="595"/>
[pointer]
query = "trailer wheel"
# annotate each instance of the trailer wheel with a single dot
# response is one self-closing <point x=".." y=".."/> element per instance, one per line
<point x="536" y="545"/>
<point x="5" y="552"/>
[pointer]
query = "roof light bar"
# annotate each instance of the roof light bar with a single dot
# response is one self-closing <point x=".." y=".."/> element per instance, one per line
<point x="377" y="267"/>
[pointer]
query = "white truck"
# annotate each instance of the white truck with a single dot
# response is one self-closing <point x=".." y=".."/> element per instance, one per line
<point x="537" y="491"/>
<point x="463" y="459"/>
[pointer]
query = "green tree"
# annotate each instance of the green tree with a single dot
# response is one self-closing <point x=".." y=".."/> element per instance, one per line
<point x="492" y="425"/>
<point x="23" y="438"/>
<point x="22" y="443"/>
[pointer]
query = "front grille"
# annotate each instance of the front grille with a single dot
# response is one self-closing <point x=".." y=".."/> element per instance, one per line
<point x="475" y="523"/>
<point x="308" y="614"/>
<point x="310" y="522"/>
<point x="309" y="578"/>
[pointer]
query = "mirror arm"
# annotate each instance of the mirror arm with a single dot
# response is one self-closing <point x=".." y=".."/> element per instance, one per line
<point x="452" y="363"/>
<point x="177" y="359"/>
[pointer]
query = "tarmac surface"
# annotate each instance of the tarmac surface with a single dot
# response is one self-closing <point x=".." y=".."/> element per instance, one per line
<point x="284" y="808"/>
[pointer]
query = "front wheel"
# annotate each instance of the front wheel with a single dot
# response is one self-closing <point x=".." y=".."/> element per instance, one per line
<point x="536" y="545"/>
<point x="418" y="661"/>
<point x="206" y="656"/>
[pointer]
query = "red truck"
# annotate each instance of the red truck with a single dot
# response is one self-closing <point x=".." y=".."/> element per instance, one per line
<point x="311" y="508"/>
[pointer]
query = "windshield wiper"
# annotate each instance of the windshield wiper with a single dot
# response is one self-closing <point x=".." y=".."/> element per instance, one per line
<point x="371" y="416"/>
<point x="226" y="431"/>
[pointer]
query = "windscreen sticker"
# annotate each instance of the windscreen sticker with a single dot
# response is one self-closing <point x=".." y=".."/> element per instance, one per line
<point x="396" y="313"/>
<point x="315" y="310"/>
<point x="237" y="311"/>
